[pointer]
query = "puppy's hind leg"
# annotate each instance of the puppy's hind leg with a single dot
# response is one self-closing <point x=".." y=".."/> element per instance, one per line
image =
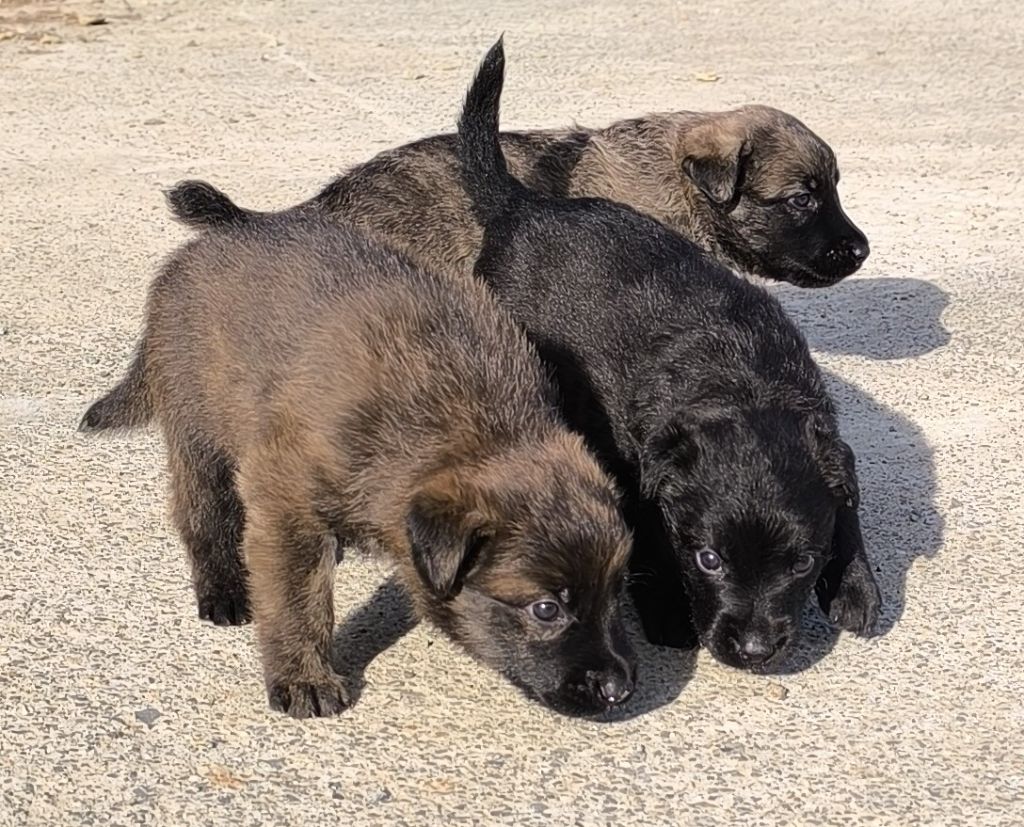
<point x="209" y="516"/>
<point x="291" y="559"/>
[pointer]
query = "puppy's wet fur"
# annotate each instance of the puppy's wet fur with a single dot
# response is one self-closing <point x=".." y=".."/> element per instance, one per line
<point x="317" y="391"/>
<point x="697" y="391"/>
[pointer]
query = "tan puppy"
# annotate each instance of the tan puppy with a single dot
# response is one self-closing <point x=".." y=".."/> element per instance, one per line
<point x="754" y="187"/>
<point x="315" y="388"/>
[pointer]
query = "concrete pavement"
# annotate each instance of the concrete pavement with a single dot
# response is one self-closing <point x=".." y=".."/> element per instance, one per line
<point x="118" y="707"/>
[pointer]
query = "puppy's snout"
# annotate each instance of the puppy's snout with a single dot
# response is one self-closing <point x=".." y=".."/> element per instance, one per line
<point x="615" y="686"/>
<point x="757" y="649"/>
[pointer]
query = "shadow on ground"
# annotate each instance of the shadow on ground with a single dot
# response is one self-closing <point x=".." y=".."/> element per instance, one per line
<point x="388" y="616"/>
<point x="879" y="319"/>
<point x="370" y="631"/>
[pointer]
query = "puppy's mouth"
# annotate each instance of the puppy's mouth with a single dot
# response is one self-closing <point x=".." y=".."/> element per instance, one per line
<point x="801" y="274"/>
<point x="727" y="656"/>
<point x="577" y="704"/>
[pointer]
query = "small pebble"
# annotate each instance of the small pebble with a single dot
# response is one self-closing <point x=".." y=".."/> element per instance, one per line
<point x="776" y="691"/>
<point x="148" y="715"/>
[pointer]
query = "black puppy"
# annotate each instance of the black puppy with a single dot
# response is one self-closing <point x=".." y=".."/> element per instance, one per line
<point x="698" y="393"/>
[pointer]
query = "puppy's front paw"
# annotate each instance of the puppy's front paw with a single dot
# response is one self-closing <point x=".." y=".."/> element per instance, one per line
<point x="858" y="602"/>
<point x="309" y="699"/>
<point x="224" y="604"/>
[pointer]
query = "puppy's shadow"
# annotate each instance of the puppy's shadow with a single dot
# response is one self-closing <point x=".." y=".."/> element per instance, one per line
<point x="388" y="616"/>
<point x="879" y="319"/>
<point x="662" y="674"/>
<point x="369" y="631"/>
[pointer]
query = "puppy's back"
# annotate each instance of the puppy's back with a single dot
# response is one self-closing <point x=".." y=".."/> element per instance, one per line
<point x="576" y="265"/>
<point x="297" y="310"/>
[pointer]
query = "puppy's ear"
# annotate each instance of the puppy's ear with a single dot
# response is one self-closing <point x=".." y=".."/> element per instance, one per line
<point x="715" y="155"/>
<point x="837" y="463"/>
<point x="846" y="589"/>
<point x="444" y="533"/>
<point x="669" y="449"/>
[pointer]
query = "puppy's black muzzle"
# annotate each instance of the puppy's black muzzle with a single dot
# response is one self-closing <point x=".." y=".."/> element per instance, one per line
<point x="846" y="252"/>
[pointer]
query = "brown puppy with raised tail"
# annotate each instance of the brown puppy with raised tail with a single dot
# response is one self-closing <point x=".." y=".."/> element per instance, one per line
<point x="753" y="187"/>
<point x="316" y="390"/>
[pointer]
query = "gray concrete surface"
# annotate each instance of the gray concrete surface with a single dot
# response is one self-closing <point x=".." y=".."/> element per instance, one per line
<point x="118" y="707"/>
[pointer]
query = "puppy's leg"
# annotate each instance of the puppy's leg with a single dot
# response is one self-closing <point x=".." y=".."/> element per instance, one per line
<point x="656" y="584"/>
<point x="847" y="591"/>
<point x="291" y="560"/>
<point x="209" y="517"/>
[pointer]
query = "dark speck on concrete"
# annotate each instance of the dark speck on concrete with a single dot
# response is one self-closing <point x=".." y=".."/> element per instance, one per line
<point x="148" y="715"/>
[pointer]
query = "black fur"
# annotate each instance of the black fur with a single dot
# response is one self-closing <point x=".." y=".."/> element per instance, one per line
<point x="198" y="204"/>
<point x="697" y="392"/>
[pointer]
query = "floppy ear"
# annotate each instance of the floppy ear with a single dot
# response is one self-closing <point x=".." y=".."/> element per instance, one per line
<point x="715" y="163"/>
<point x="837" y="463"/>
<point x="444" y="531"/>
<point x="846" y="589"/>
<point x="669" y="447"/>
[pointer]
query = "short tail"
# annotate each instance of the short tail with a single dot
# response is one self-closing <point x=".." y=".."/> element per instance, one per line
<point x="127" y="405"/>
<point x="485" y="174"/>
<point x="201" y="205"/>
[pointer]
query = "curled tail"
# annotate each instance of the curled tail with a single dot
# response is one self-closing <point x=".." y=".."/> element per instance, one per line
<point x="201" y="205"/>
<point x="127" y="405"/>
<point x="485" y="174"/>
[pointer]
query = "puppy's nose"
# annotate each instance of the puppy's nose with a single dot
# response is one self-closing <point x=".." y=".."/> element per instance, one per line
<point x="616" y="687"/>
<point x="858" y="249"/>
<point x="755" y="649"/>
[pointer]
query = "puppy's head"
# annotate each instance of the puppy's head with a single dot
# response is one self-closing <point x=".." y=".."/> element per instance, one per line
<point x="750" y="500"/>
<point x="522" y="561"/>
<point x="769" y="185"/>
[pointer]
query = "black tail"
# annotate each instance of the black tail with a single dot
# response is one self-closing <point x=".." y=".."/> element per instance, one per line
<point x="126" y="405"/>
<point x="485" y="174"/>
<point x="201" y="205"/>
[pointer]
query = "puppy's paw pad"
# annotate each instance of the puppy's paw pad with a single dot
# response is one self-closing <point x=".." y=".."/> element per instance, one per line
<point x="309" y="699"/>
<point x="225" y="607"/>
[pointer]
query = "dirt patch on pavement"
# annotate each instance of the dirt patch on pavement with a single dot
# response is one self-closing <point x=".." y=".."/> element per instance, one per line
<point x="40" y="21"/>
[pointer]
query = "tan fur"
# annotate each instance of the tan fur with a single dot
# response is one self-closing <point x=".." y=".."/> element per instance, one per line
<point x="411" y="198"/>
<point x="315" y="388"/>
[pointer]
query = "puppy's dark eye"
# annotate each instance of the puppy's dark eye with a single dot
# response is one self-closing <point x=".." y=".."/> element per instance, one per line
<point x="546" y="611"/>
<point x="804" y="563"/>
<point x="709" y="561"/>
<point x="800" y="201"/>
